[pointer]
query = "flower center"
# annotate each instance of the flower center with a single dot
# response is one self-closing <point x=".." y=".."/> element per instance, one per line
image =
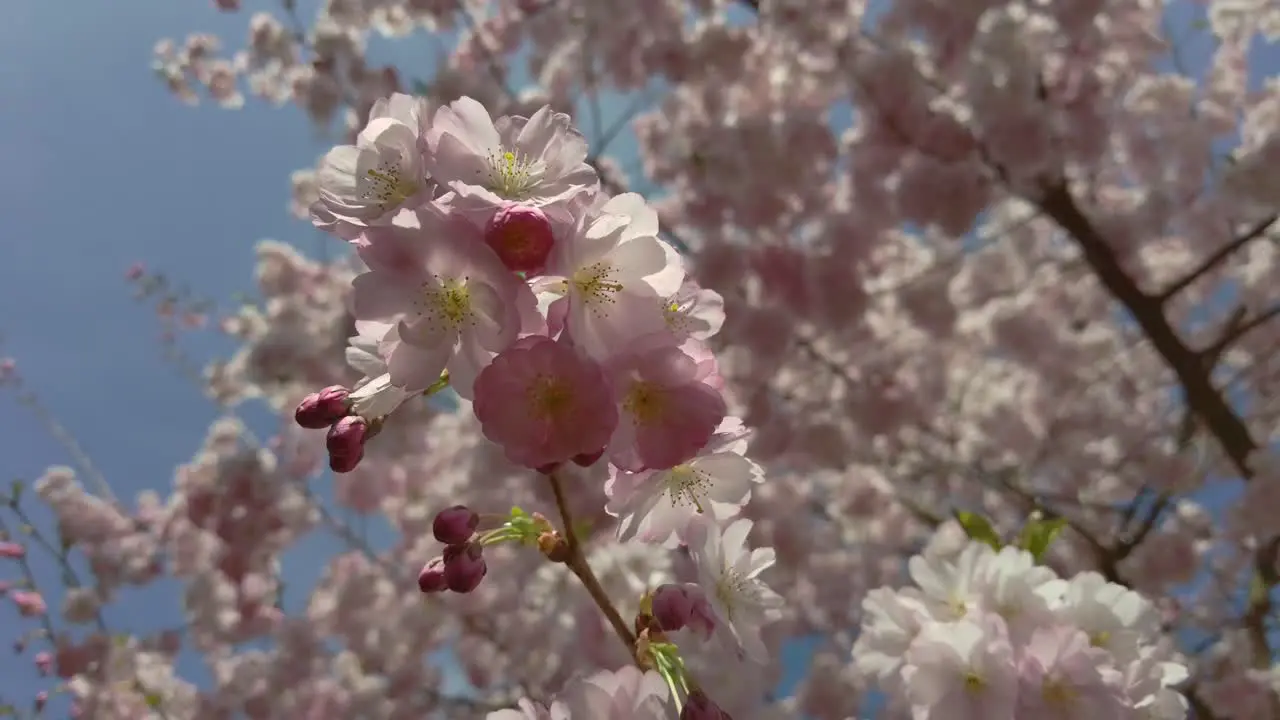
<point x="387" y="185"/>
<point x="1058" y="693"/>
<point x="729" y="587"/>
<point x="1100" y="639"/>
<point x="973" y="682"/>
<point x="686" y="485"/>
<point x="646" y="402"/>
<point x="594" y="284"/>
<point x="446" y="305"/>
<point x="676" y="315"/>
<point x="549" y="397"/>
<point x="513" y="176"/>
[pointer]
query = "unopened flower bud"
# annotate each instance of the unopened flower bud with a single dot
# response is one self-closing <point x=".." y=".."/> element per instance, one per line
<point x="678" y="606"/>
<point x="11" y="550"/>
<point x="672" y="607"/>
<point x="700" y="707"/>
<point x="588" y="459"/>
<point x="431" y="577"/>
<point x="554" y="547"/>
<point x="345" y="463"/>
<point x="455" y="525"/>
<point x="345" y="443"/>
<point x="322" y="409"/>
<point x="464" y="567"/>
<point x="522" y="237"/>
<point x="42" y="698"/>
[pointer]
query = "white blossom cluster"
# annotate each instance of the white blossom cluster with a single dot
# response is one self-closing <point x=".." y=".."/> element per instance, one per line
<point x="991" y="635"/>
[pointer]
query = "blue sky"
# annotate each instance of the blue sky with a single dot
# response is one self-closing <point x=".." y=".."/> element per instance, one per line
<point x="106" y="168"/>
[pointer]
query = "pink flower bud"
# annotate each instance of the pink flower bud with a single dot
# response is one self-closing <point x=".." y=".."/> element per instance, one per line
<point x="42" y="697"/>
<point x="464" y="567"/>
<point x="455" y="525"/>
<point x="431" y="577"/>
<point x="522" y="237"/>
<point x="588" y="459"/>
<point x="29" y="603"/>
<point x="322" y="409"/>
<point x="346" y="443"/>
<point x="678" y="606"/>
<point x="11" y="550"/>
<point x="700" y="707"/>
<point x="44" y="663"/>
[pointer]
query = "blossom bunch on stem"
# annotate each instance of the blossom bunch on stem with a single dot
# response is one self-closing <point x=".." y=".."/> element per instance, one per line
<point x="496" y="266"/>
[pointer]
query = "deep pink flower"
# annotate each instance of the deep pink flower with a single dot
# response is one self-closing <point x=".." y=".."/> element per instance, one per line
<point x="670" y="407"/>
<point x="544" y="403"/>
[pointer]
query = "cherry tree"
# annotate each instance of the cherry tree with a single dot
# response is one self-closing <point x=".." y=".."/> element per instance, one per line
<point x="938" y="330"/>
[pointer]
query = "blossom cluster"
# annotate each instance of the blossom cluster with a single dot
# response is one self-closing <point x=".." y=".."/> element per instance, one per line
<point x="497" y="267"/>
<point x="993" y="635"/>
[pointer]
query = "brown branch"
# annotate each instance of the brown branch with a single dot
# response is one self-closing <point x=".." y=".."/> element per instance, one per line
<point x="577" y="563"/>
<point x="1215" y="259"/>
<point x="1202" y="397"/>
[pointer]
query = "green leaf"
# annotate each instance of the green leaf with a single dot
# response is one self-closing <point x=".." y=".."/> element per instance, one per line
<point x="15" y="492"/>
<point x="516" y="512"/>
<point x="1038" y="534"/>
<point x="979" y="528"/>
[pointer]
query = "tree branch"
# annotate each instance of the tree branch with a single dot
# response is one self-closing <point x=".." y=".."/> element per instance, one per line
<point x="577" y="563"/>
<point x="1215" y="259"/>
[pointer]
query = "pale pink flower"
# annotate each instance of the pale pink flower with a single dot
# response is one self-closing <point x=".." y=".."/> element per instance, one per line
<point x="613" y="275"/>
<point x="529" y="710"/>
<point x="656" y="505"/>
<point x="540" y="160"/>
<point x="1063" y="677"/>
<point x="374" y="396"/>
<point x="728" y="572"/>
<point x="962" y="670"/>
<point x="693" y="312"/>
<point x="543" y="403"/>
<point x="627" y="694"/>
<point x="367" y="183"/>
<point x="454" y="303"/>
<point x="669" y="410"/>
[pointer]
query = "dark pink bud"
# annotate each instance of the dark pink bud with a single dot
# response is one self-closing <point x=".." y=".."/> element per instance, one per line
<point x="340" y="463"/>
<point x="672" y="607"/>
<point x="42" y="697"/>
<point x="11" y="550"/>
<point x="322" y="409"/>
<point x="44" y="663"/>
<point x="431" y="577"/>
<point x="521" y="236"/>
<point x="455" y="525"/>
<point x="588" y="459"/>
<point x="676" y="607"/>
<point x="464" y="567"/>
<point x="346" y="437"/>
<point x="700" y="707"/>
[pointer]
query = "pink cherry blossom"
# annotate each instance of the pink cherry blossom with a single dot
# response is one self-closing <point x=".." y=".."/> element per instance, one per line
<point x="543" y="403"/>
<point x="455" y="304"/>
<point x="668" y="409"/>
<point x="539" y="160"/>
